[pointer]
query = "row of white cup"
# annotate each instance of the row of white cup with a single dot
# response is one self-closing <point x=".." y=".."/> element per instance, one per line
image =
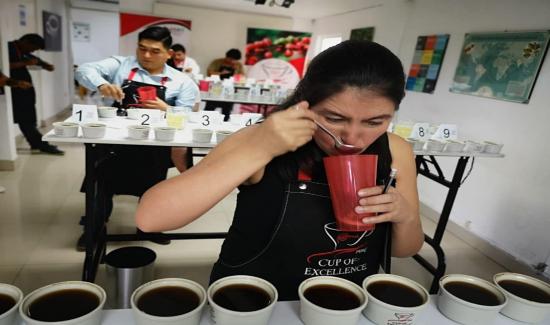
<point x="455" y="146"/>
<point x="318" y="311"/>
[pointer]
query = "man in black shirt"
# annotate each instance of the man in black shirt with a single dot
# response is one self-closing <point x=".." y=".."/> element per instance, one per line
<point x="24" y="99"/>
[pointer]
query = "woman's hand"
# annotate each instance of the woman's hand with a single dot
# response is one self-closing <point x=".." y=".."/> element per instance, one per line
<point x="390" y="207"/>
<point x="287" y="130"/>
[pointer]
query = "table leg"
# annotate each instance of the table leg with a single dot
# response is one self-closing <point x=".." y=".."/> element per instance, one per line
<point x="422" y="168"/>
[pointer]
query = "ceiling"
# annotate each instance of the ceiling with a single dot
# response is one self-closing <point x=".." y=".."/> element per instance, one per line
<point x="309" y="9"/>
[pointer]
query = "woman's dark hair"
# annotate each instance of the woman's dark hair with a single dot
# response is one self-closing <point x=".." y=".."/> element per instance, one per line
<point x="178" y="48"/>
<point x="157" y="33"/>
<point x="234" y="54"/>
<point x="351" y="64"/>
<point x="34" y="39"/>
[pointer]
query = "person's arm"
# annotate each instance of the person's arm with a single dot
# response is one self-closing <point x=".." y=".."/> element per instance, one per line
<point x="400" y="204"/>
<point x="239" y="68"/>
<point x="178" y="201"/>
<point x="213" y="68"/>
<point x="94" y="74"/>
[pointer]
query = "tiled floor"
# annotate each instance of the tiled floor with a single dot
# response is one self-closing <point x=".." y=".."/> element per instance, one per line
<point x="39" y="227"/>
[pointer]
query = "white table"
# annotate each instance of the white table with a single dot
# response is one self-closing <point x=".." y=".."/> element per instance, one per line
<point x="287" y="313"/>
<point x="95" y="226"/>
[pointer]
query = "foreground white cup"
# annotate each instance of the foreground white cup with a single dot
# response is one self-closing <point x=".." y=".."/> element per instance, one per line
<point x="312" y="314"/>
<point x="8" y="317"/>
<point x="417" y="144"/>
<point x="222" y="134"/>
<point x="138" y="132"/>
<point x="202" y="135"/>
<point x="491" y="147"/>
<point x="521" y="309"/>
<point x="190" y="318"/>
<point x="465" y="312"/>
<point x="454" y="146"/>
<point x="165" y="133"/>
<point x="472" y="146"/>
<point x="107" y="111"/>
<point x="65" y="129"/>
<point x="380" y="312"/>
<point x="93" y="130"/>
<point x="92" y="318"/>
<point x="223" y="316"/>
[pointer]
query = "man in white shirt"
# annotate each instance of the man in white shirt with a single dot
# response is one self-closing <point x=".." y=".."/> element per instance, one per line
<point x="182" y="62"/>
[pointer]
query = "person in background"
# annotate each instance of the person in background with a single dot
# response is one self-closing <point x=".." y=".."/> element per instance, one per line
<point x="225" y="68"/>
<point x="24" y="99"/>
<point x="7" y="81"/>
<point x="182" y="62"/>
<point x="136" y="168"/>
<point x="280" y="230"/>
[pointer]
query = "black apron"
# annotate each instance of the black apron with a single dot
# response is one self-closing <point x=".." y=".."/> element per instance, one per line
<point x="130" y="88"/>
<point x="131" y="169"/>
<point x="23" y="100"/>
<point x="307" y="243"/>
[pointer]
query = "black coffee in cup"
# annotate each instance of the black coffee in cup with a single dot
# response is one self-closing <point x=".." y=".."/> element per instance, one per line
<point x="395" y="293"/>
<point x="242" y="297"/>
<point x="525" y="291"/>
<point x="332" y="297"/>
<point x="472" y="293"/>
<point x="168" y="301"/>
<point x="63" y="305"/>
<point x="6" y="303"/>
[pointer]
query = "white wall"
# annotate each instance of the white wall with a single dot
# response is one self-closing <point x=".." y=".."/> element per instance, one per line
<point x="55" y="89"/>
<point x="505" y="201"/>
<point x="104" y="35"/>
<point x="213" y="32"/>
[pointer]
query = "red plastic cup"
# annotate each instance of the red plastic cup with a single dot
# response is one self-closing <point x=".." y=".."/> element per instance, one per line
<point x="147" y="93"/>
<point x="346" y="176"/>
<point x="203" y="85"/>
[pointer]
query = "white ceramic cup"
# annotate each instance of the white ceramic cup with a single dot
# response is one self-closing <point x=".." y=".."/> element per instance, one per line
<point x="435" y="145"/>
<point x="382" y="313"/>
<point x="138" y="132"/>
<point x="165" y="133"/>
<point x="312" y="314"/>
<point x="9" y="316"/>
<point x="417" y="144"/>
<point x="222" y="134"/>
<point x="202" y="135"/>
<point x="465" y="312"/>
<point x="192" y="317"/>
<point x="133" y="113"/>
<point x="107" y="111"/>
<point x="491" y="147"/>
<point x="65" y="129"/>
<point x="93" y="130"/>
<point x="519" y="308"/>
<point x="472" y="146"/>
<point x="223" y="316"/>
<point x="453" y="146"/>
<point x="92" y="318"/>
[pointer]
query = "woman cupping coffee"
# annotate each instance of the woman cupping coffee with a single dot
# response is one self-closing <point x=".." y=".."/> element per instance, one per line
<point x="284" y="229"/>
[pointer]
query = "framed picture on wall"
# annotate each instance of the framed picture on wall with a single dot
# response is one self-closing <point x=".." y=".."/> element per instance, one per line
<point x="502" y="65"/>
<point x="52" y="31"/>
<point x="362" y="34"/>
<point x="426" y="64"/>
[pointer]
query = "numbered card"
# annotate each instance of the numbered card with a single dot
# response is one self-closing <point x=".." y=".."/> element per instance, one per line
<point x="84" y="113"/>
<point x="420" y="131"/>
<point x="210" y="118"/>
<point x="150" y="116"/>
<point x="249" y="119"/>
<point x="446" y="132"/>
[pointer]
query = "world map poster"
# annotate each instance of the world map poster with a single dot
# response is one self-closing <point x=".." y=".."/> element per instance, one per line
<point x="503" y="66"/>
